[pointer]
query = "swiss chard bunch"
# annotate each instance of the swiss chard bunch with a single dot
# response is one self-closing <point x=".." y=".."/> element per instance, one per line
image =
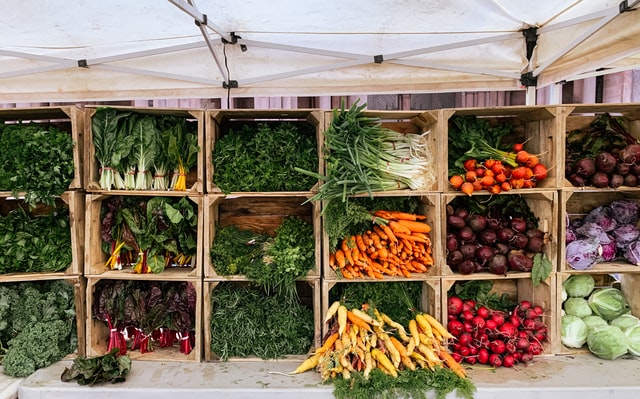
<point x="36" y="161"/>
<point x="110" y="367"/>
<point x="263" y="157"/>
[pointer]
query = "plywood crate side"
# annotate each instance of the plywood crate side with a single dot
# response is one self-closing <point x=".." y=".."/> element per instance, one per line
<point x="218" y="122"/>
<point x="261" y="214"/>
<point x="97" y="331"/>
<point x="429" y="206"/>
<point x="581" y="116"/>
<point x="575" y="205"/>
<point x="410" y="122"/>
<point x="71" y="200"/>
<point x="308" y="292"/>
<point x="65" y="118"/>
<point x="92" y="167"/>
<point x="543" y="204"/>
<point x="516" y="289"/>
<point x="628" y="283"/>
<point x="95" y="258"/>
<point x="429" y="302"/>
<point x="538" y="127"/>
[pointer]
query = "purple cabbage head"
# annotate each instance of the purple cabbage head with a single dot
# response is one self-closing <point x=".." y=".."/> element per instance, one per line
<point x="583" y="253"/>
<point x="570" y="235"/>
<point x="625" y="234"/>
<point x="625" y="211"/>
<point x="632" y="253"/>
<point x="609" y="250"/>
<point x="603" y="217"/>
<point x="593" y="230"/>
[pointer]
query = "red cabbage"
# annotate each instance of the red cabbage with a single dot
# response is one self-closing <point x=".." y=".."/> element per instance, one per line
<point x="625" y="211"/>
<point x="593" y="230"/>
<point x="603" y="217"/>
<point x="570" y="235"/>
<point x="632" y="253"/>
<point x="583" y="253"/>
<point x="609" y="251"/>
<point x="625" y="234"/>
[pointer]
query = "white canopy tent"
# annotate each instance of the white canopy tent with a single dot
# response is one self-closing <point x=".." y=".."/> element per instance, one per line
<point x="55" y="50"/>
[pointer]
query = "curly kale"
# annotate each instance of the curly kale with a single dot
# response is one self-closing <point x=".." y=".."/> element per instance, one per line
<point x="37" y="325"/>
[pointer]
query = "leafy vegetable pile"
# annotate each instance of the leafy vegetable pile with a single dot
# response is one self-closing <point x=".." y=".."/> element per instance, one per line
<point x="247" y="321"/>
<point x="362" y="156"/>
<point x="37" y="325"/>
<point x="142" y="151"/>
<point x="143" y="314"/>
<point x="497" y="235"/>
<point x="36" y="161"/>
<point x="111" y="367"/>
<point x="599" y="317"/>
<point x="32" y="244"/>
<point x="607" y="233"/>
<point x="367" y="346"/>
<point x="149" y="234"/>
<point x="273" y="262"/>
<point x="263" y="157"/>
<point x="602" y="155"/>
<point x="479" y="160"/>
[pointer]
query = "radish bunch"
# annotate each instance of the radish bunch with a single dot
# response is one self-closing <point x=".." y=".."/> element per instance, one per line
<point x="494" y="337"/>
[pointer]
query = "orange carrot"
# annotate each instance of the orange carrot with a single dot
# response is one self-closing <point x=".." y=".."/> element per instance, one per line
<point x="358" y="321"/>
<point x="346" y="248"/>
<point x="332" y="261"/>
<point x="360" y="243"/>
<point x="389" y="233"/>
<point x="411" y="237"/>
<point x="381" y="233"/>
<point x="398" y="227"/>
<point x="452" y="364"/>
<point x="397" y="215"/>
<point x="419" y="227"/>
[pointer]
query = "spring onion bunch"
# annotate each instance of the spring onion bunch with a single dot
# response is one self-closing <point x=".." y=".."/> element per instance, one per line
<point x="362" y="156"/>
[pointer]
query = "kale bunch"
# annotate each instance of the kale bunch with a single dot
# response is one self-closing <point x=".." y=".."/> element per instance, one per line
<point x="37" y="325"/>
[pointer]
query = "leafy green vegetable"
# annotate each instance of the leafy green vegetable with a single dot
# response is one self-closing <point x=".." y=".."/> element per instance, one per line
<point x="36" y="161"/>
<point x="143" y="130"/>
<point x="262" y="157"/>
<point x="605" y="133"/>
<point x="32" y="244"/>
<point x="106" y="368"/>
<point x="473" y="137"/>
<point x="541" y="269"/>
<point x="111" y="146"/>
<point x="480" y="291"/>
<point x="234" y="250"/>
<point x="37" y="325"/>
<point x="182" y="151"/>
<point x="246" y="321"/>
<point x="417" y="384"/>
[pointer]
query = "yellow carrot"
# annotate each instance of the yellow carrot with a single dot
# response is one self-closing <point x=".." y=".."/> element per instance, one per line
<point x="415" y="334"/>
<point x="384" y="361"/>
<point x="308" y="364"/>
<point x="435" y="324"/>
<point x="331" y="311"/>
<point x="342" y="319"/>
<point x="358" y="321"/>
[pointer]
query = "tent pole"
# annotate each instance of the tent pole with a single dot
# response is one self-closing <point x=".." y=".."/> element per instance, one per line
<point x="555" y="93"/>
<point x="531" y="95"/>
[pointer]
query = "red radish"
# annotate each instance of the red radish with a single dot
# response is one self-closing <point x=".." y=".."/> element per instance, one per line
<point x="469" y="304"/>
<point x="463" y="351"/>
<point x="535" y="348"/>
<point x="465" y="338"/>
<point x="471" y="359"/>
<point x="452" y="317"/>
<point x="497" y="346"/>
<point x="455" y="327"/>
<point x="530" y="314"/>
<point x="473" y="350"/>
<point x="468" y="327"/>
<point x="510" y="347"/>
<point x="490" y="324"/>
<point x="524" y="305"/>
<point x="539" y="310"/>
<point x="508" y="361"/>
<point x="454" y="305"/>
<point x="526" y="357"/>
<point x="483" y="356"/>
<point x="528" y="324"/>
<point x="478" y="322"/>
<point x="456" y="357"/>
<point x="508" y="330"/>
<point x="467" y="315"/>
<point x="522" y="343"/>
<point x="483" y="312"/>
<point x="495" y="360"/>
<point x="515" y="320"/>
<point x="498" y="318"/>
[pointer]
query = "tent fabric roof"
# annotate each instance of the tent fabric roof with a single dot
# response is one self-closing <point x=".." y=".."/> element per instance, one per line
<point x="121" y="49"/>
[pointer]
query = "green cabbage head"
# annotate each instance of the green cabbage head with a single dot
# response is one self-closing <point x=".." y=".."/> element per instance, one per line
<point x="608" y="303"/>
<point x="607" y="343"/>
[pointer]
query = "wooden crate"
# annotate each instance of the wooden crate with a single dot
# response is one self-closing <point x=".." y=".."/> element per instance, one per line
<point x="628" y="283"/>
<point x="580" y="116"/>
<point x="65" y="118"/>
<point x="308" y="291"/>
<point x="539" y="127"/>
<point x="97" y="331"/>
<point x="218" y="123"/>
<point x="74" y="201"/>
<point x="79" y="288"/>
<point x="516" y="289"/>
<point x="429" y="206"/>
<point x="412" y="122"/>
<point x="92" y="167"/>
<point x="543" y="204"/>
<point x="575" y="204"/>
<point x="95" y="258"/>
<point x="261" y="213"/>
<point x="430" y="298"/>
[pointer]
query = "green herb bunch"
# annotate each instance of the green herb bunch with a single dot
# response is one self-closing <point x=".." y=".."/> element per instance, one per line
<point x="32" y="244"/>
<point x="35" y="161"/>
<point x="247" y="321"/>
<point x="37" y="325"/>
<point x="262" y="157"/>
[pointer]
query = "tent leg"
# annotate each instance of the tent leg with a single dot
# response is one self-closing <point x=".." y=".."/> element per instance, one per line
<point x="555" y="93"/>
<point x="531" y="96"/>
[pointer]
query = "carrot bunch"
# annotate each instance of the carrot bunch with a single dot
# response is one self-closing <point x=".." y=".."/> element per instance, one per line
<point x="359" y="340"/>
<point x="398" y="244"/>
